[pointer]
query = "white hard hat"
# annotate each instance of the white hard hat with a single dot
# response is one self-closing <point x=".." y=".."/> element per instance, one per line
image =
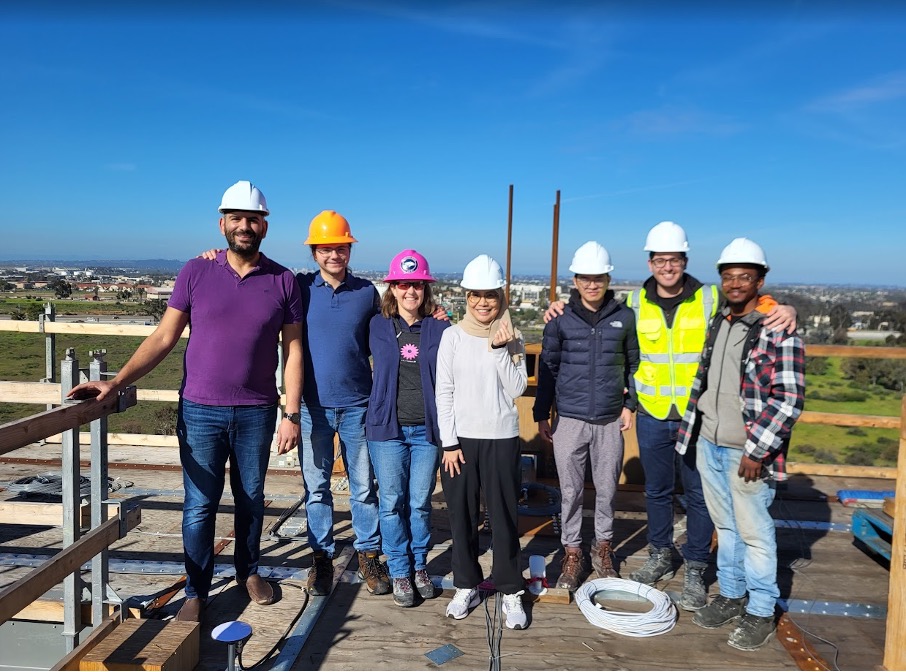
<point x="482" y="273"/>
<point x="743" y="251"/>
<point x="591" y="259"/>
<point x="244" y="196"/>
<point x="666" y="237"/>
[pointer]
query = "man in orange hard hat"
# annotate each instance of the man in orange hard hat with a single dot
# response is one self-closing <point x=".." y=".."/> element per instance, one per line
<point x="338" y="307"/>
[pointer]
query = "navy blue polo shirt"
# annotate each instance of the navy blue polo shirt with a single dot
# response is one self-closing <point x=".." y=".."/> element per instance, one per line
<point x="335" y="340"/>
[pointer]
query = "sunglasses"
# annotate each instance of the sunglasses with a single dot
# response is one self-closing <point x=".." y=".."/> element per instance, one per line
<point x="415" y="284"/>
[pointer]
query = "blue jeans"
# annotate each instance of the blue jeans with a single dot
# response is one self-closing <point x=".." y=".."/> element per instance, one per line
<point x="746" y="538"/>
<point x="657" y="451"/>
<point x="406" y="470"/>
<point x="208" y="437"/>
<point x="319" y="426"/>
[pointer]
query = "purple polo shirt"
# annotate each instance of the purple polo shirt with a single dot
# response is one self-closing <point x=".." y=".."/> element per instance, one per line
<point x="231" y="358"/>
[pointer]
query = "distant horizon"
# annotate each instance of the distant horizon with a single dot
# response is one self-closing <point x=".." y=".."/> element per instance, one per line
<point x="545" y="274"/>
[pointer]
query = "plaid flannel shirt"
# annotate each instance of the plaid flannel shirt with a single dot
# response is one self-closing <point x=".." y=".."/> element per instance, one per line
<point x="772" y="391"/>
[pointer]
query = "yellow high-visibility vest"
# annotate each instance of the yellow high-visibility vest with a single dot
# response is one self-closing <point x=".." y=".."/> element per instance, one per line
<point x="669" y="356"/>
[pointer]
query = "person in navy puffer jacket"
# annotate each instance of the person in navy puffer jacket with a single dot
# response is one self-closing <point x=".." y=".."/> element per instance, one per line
<point x="588" y="358"/>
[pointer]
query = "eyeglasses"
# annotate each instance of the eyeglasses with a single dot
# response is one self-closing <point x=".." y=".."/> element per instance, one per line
<point x="589" y="280"/>
<point x="742" y="278"/>
<point x="660" y="262"/>
<point x="327" y="251"/>
<point x="414" y="284"/>
<point x="490" y="297"/>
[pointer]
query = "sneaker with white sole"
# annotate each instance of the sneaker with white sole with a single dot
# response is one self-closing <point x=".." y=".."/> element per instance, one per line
<point x="464" y="600"/>
<point x="515" y="614"/>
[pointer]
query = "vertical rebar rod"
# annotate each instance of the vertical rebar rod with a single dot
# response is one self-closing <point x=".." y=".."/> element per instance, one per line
<point x="554" y="246"/>
<point x="509" y="245"/>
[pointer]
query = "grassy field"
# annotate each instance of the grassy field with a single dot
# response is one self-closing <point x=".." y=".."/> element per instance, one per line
<point x="23" y="360"/>
<point x="846" y="445"/>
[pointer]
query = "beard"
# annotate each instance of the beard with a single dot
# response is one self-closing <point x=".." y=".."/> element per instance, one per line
<point x="243" y="249"/>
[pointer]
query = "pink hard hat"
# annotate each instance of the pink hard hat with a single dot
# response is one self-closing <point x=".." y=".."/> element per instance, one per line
<point x="409" y="265"/>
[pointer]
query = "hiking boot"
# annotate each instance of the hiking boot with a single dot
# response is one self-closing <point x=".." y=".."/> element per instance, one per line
<point x="403" y="595"/>
<point x="570" y="570"/>
<point x="258" y="589"/>
<point x="658" y="566"/>
<point x="424" y="585"/>
<point x="602" y="561"/>
<point x="694" y="596"/>
<point x="373" y="572"/>
<point x="752" y="633"/>
<point x="464" y="600"/>
<point x="515" y="614"/>
<point x="191" y="610"/>
<point x="721" y="611"/>
<point x="320" y="576"/>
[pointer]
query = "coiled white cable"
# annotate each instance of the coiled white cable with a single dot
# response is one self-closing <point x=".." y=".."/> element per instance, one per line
<point x="658" y="620"/>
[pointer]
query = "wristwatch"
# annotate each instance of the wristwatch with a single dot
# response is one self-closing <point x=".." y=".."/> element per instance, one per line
<point x="295" y="418"/>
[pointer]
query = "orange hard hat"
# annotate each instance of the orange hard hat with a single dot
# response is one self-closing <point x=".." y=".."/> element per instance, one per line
<point x="329" y="227"/>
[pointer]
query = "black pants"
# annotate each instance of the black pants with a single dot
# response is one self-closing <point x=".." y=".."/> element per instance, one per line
<point x="492" y="465"/>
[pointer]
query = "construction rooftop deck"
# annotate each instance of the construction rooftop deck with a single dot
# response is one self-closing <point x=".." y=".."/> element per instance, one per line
<point x="835" y="592"/>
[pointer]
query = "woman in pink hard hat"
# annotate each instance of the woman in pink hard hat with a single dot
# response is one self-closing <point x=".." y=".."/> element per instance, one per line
<point x="401" y="423"/>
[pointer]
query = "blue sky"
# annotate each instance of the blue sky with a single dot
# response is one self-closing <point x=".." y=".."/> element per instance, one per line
<point x="781" y="121"/>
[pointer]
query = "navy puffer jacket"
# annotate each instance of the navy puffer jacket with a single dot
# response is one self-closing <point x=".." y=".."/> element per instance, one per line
<point x="588" y="360"/>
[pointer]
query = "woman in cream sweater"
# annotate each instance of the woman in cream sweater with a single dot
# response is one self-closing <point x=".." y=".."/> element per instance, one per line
<point x="480" y="373"/>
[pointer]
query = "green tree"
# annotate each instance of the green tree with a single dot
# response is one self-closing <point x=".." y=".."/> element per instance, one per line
<point x="155" y="308"/>
<point x="61" y="288"/>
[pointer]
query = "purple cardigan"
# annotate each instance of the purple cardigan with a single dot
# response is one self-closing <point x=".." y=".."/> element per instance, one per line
<point x="381" y="423"/>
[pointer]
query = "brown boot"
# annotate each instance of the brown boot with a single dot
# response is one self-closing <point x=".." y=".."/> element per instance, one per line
<point x="259" y="590"/>
<point x="602" y="561"/>
<point x="373" y="572"/>
<point x="320" y="576"/>
<point x="571" y="569"/>
<point x="191" y="610"/>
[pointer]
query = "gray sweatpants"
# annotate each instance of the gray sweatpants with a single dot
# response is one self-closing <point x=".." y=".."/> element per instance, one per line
<point x="574" y="442"/>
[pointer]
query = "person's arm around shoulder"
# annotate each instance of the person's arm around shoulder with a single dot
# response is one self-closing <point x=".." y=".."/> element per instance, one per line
<point x="289" y="432"/>
<point x="782" y="318"/>
<point x="148" y="355"/>
<point x="554" y="310"/>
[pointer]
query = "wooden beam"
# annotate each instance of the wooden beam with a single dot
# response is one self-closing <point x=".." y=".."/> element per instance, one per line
<point x="866" y="351"/>
<point x="39" y="513"/>
<point x="14" y="435"/>
<point x="50" y="611"/>
<point x="895" y="638"/>
<point x="15" y="597"/>
<point x="49" y="393"/>
<point x="849" y="419"/>
<point x="841" y="470"/>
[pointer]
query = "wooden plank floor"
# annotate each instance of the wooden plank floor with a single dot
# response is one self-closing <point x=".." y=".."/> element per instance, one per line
<point x="359" y="631"/>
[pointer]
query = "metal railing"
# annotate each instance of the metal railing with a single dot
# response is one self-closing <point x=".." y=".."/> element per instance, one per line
<point x="66" y="565"/>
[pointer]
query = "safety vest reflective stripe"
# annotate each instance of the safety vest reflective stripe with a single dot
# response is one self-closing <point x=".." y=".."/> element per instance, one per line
<point x="657" y="359"/>
<point x="669" y="356"/>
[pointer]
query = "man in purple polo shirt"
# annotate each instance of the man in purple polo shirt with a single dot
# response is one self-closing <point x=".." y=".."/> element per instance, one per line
<point x="238" y="308"/>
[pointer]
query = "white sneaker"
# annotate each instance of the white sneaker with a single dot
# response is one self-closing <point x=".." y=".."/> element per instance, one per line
<point x="464" y="600"/>
<point x="515" y="614"/>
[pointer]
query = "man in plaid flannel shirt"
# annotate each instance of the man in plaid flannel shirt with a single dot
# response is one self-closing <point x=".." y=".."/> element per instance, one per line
<point x="747" y="394"/>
